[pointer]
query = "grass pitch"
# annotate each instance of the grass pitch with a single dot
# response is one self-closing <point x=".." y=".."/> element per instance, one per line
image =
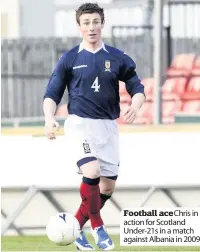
<point x="41" y="243"/>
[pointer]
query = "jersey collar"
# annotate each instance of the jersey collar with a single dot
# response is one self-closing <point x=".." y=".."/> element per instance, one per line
<point x="81" y="47"/>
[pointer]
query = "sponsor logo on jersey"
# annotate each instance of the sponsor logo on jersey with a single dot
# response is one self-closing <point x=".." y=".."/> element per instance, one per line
<point x="81" y="66"/>
<point x="107" y="66"/>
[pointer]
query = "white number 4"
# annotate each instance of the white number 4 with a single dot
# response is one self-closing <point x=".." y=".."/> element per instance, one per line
<point x="96" y="85"/>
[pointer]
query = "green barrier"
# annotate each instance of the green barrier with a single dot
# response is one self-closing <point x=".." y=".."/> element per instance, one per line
<point x="185" y="118"/>
<point x="7" y="124"/>
<point x="27" y="122"/>
<point x="39" y="131"/>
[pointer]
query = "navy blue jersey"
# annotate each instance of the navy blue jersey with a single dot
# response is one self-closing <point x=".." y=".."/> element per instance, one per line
<point x="92" y="79"/>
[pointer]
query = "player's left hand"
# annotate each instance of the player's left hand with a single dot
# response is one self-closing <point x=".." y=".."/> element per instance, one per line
<point x="130" y="114"/>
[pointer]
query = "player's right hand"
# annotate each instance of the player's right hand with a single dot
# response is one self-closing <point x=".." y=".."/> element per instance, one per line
<point x="50" y="126"/>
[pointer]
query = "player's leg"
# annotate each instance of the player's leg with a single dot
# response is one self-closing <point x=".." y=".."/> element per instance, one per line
<point x="102" y="239"/>
<point x="83" y="155"/>
<point x="109" y="160"/>
<point x="90" y="194"/>
<point x="89" y="189"/>
<point x="107" y="187"/>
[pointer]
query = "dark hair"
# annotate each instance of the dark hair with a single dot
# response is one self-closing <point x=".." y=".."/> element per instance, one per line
<point x="89" y="8"/>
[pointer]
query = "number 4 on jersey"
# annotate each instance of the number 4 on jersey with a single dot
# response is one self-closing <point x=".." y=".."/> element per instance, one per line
<point x="96" y="85"/>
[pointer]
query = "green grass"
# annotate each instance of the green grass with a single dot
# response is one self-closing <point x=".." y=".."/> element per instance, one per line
<point x="41" y="243"/>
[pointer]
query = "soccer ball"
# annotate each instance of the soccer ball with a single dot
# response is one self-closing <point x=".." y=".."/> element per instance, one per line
<point x="63" y="228"/>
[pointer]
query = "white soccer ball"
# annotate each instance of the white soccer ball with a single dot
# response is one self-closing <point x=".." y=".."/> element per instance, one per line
<point x="63" y="228"/>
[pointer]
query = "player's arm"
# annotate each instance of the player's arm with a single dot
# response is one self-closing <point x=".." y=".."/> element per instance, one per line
<point x="133" y="86"/>
<point x="53" y="95"/>
<point x="49" y="108"/>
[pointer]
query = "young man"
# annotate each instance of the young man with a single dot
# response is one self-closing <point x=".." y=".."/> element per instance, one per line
<point x="91" y="71"/>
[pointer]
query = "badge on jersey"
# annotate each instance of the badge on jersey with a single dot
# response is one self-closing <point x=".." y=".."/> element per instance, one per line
<point x="86" y="148"/>
<point x="107" y="66"/>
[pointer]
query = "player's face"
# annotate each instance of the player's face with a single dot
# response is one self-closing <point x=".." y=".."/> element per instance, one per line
<point x="90" y="27"/>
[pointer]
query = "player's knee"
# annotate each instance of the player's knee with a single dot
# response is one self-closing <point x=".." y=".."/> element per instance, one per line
<point x="107" y="185"/>
<point x="91" y="169"/>
<point x="107" y="191"/>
